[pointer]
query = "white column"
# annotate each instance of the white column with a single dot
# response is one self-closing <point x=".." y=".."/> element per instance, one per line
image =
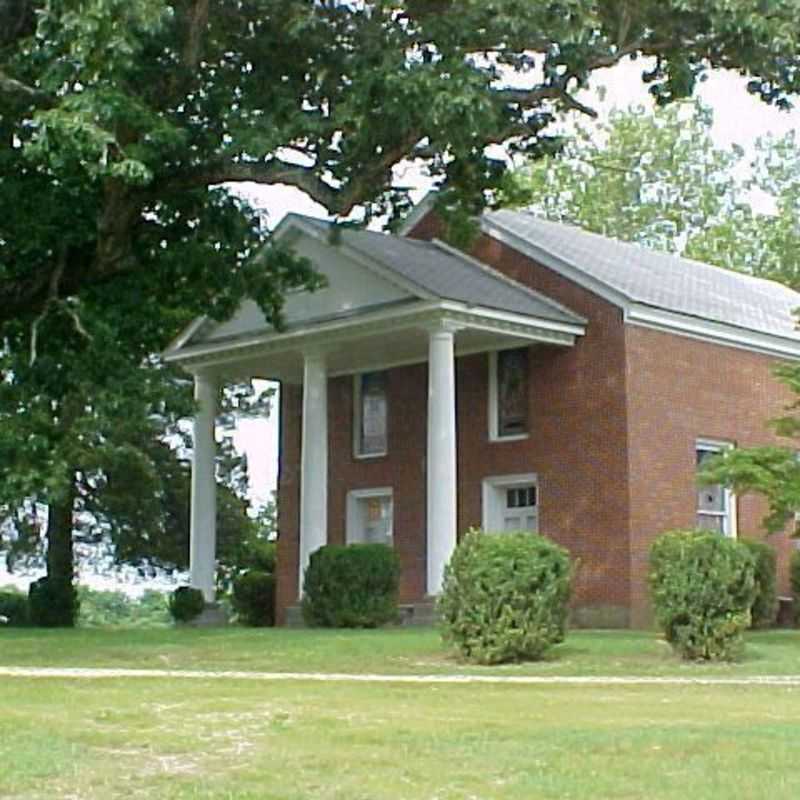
<point x="203" y="519"/>
<point x="441" y="470"/>
<point x="313" y="460"/>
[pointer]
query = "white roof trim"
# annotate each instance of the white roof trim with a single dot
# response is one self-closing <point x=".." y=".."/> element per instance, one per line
<point x="553" y="261"/>
<point x="646" y="315"/>
<point x="710" y="331"/>
<point x="490" y="314"/>
<point x="532" y="328"/>
<point x="501" y="276"/>
<point x="185" y="335"/>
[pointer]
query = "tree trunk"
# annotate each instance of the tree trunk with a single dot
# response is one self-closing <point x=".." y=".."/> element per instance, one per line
<point x="60" y="568"/>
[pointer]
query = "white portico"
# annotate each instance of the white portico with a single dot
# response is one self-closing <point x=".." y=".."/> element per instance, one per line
<point x="386" y="302"/>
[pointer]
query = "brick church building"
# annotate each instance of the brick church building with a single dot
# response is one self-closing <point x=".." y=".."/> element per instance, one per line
<point x="550" y="380"/>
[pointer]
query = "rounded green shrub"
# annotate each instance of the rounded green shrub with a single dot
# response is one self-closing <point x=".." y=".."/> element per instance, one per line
<point x="505" y="596"/>
<point x="14" y="607"/>
<point x="765" y="606"/>
<point x="794" y="582"/>
<point x="186" y="603"/>
<point x="53" y="603"/>
<point x="254" y="598"/>
<point x="702" y="587"/>
<point x="352" y="586"/>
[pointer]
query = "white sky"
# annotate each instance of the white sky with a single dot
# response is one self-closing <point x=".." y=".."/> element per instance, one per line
<point x="739" y="118"/>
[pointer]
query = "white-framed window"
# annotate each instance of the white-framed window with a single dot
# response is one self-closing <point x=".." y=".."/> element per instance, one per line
<point x="716" y="504"/>
<point x="510" y="503"/>
<point x="508" y="394"/>
<point x="370" y="516"/>
<point x="370" y="415"/>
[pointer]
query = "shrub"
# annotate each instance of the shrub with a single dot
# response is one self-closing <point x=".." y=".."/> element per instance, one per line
<point x="352" y="586"/>
<point x="794" y="581"/>
<point x="254" y="598"/>
<point x="505" y="596"/>
<point x="101" y="608"/>
<point x="186" y="603"/>
<point x="14" y="607"/>
<point x="765" y="606"/>
<point x="262" y="555"/>
<point x="703" y="586"/>
<point x="53" y="603"/>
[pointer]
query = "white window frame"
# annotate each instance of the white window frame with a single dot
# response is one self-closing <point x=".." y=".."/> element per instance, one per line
<point x="494" y="434"/>
<point x="352" y="536"/>
<point x="357" y="411"/>
<point x="493" y="489"/>
<point x="729" y="521"/>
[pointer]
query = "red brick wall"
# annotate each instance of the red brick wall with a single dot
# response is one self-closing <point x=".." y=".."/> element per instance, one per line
<point x="403" y="468"/>
<point x="613" y="423"/>
<point x="679" y="390"/>
<point x="577" y="408"/>
<point x="578" y="438"/>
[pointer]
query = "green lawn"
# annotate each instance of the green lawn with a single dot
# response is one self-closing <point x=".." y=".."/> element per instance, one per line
<point x="393" y="651"/>
<point x="242" y="740"/>
<point x="237" y="740"/>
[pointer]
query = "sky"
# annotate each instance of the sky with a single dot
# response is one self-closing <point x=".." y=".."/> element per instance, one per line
<point x="739" y="118"/>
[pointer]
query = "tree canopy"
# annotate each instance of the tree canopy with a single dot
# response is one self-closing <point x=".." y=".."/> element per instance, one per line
<point x="118" y="115"/>
<point x="659" y="180"/>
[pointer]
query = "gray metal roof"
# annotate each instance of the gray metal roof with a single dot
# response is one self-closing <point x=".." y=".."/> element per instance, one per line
<point x="660" y="280"/>
<point x="442" y="272"/>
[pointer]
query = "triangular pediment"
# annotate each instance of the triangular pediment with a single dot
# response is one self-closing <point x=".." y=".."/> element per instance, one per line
<point x="352" y="285"/>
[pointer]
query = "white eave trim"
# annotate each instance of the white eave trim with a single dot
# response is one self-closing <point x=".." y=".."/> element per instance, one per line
<point x="646" y="315"/>
<point x="420" y="313"/>
<point x="710" y="331"/>
<point x="553" y="262"/>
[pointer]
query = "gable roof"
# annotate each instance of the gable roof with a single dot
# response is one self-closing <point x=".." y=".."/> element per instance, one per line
<point x="442" y="272"/>
<point x="626" y="274"/>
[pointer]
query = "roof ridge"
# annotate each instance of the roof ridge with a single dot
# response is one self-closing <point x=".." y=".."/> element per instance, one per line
<point x="498" y="275"/>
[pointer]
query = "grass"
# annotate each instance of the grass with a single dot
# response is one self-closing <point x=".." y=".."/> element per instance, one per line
<point x="390" y="651"/>
<point x="173" y="740"/>
<point x="106" y="739"/>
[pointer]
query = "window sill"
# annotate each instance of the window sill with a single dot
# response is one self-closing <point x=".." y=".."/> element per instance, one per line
<point x="517" y="437"/>
<point x="369" y="456"/>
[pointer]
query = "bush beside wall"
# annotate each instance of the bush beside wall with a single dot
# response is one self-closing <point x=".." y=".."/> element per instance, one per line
<point x="505" y="596"/>
<point x="254" y="598"/>
<point x="703" y="587"/>
<point x="351" y="586"/>
<point x="186" y="603"/>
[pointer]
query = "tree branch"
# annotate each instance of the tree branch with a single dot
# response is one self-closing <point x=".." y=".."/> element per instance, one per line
<point x="52" y="297"/>
<point x="11" y="86"/>
<point x="267" y="172"/>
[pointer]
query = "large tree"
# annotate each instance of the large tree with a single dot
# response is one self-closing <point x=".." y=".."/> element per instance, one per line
<point x="120" y="119"/>
<point x="119" y="111"/>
